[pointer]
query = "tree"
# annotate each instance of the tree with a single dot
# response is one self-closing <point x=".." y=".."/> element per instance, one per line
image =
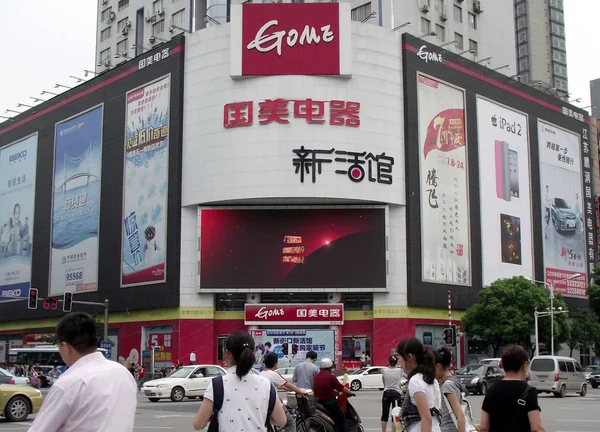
<point x="504" y="313"/>
<point x="585" y="330"/>
<point x="594" y="296"/>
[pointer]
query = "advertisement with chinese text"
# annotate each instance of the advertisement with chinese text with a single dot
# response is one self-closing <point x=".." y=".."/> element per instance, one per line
<point x="293" y="248"/>
<point x="17" y="199"/>
<point x="504" y="185"/>
<point x="160" y="339"/>
<point x="445" y="223"/>
<point x="146" y="183"/>
<point x="561" y="189"/>
<point x="76" y="203"/>
<point x="291" y="346"/>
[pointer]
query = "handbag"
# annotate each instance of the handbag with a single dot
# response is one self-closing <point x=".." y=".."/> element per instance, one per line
<point x="466" y="409"/>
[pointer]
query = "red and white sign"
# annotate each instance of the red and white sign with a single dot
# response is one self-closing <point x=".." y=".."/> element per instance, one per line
<point x="290" y="39"/>
<point x="294" y="314"/>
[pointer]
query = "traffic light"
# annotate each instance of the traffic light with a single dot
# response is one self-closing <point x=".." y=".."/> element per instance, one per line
<point x="67" y="302"/>
<point x="294" y="349"/>
<point x="33" y="298"/>
<point x="454" y="335"/>
<point x="284" y="348"/>
<point x="448" y="336"/>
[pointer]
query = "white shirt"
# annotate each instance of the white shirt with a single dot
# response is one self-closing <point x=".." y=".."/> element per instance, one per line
<point x="275" y="378"/>
<point x="193" y="357"/>
<point x="245" y="402"/>
<point x="93" y="395"/>
<point x="434" y="399"/>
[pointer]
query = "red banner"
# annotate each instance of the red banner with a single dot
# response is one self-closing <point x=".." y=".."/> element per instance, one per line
<point x="446" y="131"/>
<point x="294" y="314"/>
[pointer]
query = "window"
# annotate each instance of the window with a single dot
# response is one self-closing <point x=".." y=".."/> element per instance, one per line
<point x="522" y="36"/>
<point x="578" y="368"/>
<point x="524" y="77"/>
<point x="557" y="16"/>
<point x="178" y="18"/>
<point x="458" y="16"/>
<point x="296" y="298"/>
<point x="105" y="15"/>
<point x="570" y="367"/>
<point x="521" y="23"/>
<point x="361" y="13"/>
<point x="158" y="28"/>
<point x="558" y="29"/>
<point x="105" y="34"/>
<point x="473" y="46"/>
<point x="440" y="33"/>
<point x="105" y="55"/>
<point x="123" y="4"/>
<point x="472" y="20"/>
<point x="354" y="345"/>
<point x="459" y="41"/>
<point x="358" y="302"/>
<point x="375" y="371"/>
<point x="439" y="5"/>
<point x="520" y="9"/>
<point x="523" y="64"/>
<point x="221" y="348"/>
<point x="233" y="302"/>
<point x="425" y="26"/>
<point x="560" y="84"/>
<point x="122" y="24"/>
<point x="522" y="50"/>
<point x="122" y="47"/>
<point x="559" y="56"/>
<point x="157" y="5"/>
<point x="558" y="42"/>
<point x="557" y="4"/>
<point x="560" y="70"/>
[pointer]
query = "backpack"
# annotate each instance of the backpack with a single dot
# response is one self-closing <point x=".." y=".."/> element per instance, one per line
<point x="218" y="394"/>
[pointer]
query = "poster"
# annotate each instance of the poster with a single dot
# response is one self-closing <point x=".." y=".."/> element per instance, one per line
<point x="445" y="223"/>
<point x="160" y="339"/>
<point x="504" y="191"/>
<point x="146" y="184"/>
<point x="17" y="198"/>
<point x="291" y="346"/>
<point x="562" y="210"/>
<point x="76" y="203"/>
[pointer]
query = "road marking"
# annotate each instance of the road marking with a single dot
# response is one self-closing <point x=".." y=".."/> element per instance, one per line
<point x="166" y="416"/>
<point x="577" y="420"/>
<point x="153" y="427"/>
<point x="13" y="428"/>
<point x="570" y="408"/>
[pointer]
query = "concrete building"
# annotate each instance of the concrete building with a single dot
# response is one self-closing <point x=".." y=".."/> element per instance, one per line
<point x="541" y="45"/>
<point x="481" y="30"/>
<point x="595" y="97"/>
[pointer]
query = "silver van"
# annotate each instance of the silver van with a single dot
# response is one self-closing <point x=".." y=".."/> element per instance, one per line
<point x="558" y="375"/>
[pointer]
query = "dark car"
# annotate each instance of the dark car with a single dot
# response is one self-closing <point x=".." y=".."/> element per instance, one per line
<point x="594" y="378"/>
<point x="563" y="218"/>
<point x="478" y="378"/>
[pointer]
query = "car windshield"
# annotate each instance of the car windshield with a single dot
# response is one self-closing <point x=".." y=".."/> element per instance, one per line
<point x="561" y="203"/>
<point x="359" y="371"/>
<point x="590" y="369"/>
<point x="472" y="370"/>
<point x="182" y="373"/>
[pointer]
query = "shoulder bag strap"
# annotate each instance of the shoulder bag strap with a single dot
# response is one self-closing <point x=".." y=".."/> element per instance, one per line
<point x="272" y="400"/>
<point x="521" y="402"/>
<point x="218" y="392"/>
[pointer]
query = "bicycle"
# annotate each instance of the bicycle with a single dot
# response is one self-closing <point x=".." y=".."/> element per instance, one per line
<point x="304" y="415"/>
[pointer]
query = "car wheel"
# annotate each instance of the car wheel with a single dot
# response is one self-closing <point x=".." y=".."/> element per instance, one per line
<point x="594" y="385"/>
<point x="483" y="388"/>
<point x="583" y="391"/>
<point x="562" y="393"/>
<point x="153" y="399"/>
<point x="355" y="385"/>
<point x="17" y="409"/>
<point x="380" y="389"/>
<point x="177" y="394"/>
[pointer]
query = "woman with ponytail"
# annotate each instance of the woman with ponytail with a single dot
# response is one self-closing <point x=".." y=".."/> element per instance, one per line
<point x="245" y="395"/>
<point x="421" y="408"/>
<point x="453" y="418"/>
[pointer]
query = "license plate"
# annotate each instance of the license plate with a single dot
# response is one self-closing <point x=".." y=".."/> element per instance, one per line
<point x="147" y="392"/>
<point x="571" y="224"/>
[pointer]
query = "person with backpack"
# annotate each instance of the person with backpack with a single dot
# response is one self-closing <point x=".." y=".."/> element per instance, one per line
<point x="511" y="405"/>
<point x="240" y="400"/>
<point x="421" y="408"/>
<point x="453" y="417"/>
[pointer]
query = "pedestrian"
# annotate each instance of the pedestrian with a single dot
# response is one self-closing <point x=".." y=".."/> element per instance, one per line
<point x="512" y="404"/>
<point x="94" y="394"/>
<point x="193" y="358"/>
<point x="245" y="395"/>
<point x="304" y="373"/>
<point x="452" y="391"/>
<point x="421" y="407"/>
<point x="392" y="377"/>
<point x="363" y="360"/>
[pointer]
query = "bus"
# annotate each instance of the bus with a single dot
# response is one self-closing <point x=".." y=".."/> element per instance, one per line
<point x="41" y="355"/>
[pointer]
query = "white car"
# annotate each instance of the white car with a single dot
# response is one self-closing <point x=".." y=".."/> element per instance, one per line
<point x="287" y="373"/>
<point x="7" y="377"/>
<point x="188" y="382"/>
<point x="366" y="378"/>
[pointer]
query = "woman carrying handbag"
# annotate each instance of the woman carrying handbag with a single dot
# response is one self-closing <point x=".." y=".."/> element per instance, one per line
<point x="392" y="377"/>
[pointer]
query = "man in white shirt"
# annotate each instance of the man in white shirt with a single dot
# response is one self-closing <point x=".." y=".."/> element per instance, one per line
<point x="94" y="394"/>
<point x="193" y="358"/>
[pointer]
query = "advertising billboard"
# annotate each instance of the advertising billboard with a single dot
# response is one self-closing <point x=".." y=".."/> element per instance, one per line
<point x="293" y="248"/>
<point x="18" y="162"/>
<point x="76" y="203"/>
<point x="504" y="192"/>
<point x="445" y="222"/>
<point x="146" y="184"/>
<point x="561" y="186"/>
<point x="291" y="346"/>
<point x="290" y="39"/>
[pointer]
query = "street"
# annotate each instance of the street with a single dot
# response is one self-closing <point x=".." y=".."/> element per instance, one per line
<point x="572" y="414"/>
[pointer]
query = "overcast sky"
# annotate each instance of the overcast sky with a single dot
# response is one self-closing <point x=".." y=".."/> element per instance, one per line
<point x="46" y="41"/>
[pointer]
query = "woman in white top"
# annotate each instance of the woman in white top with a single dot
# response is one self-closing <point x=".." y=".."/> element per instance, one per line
<point x="392" y="377"/>
<point x="245" y="395"/>
<point x="421" y="409"/>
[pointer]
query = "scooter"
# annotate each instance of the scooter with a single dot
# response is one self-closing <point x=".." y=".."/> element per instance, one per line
<point x="352" y="418"/>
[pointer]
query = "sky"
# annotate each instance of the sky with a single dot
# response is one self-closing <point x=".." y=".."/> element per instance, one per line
<point x="46" y="41"/>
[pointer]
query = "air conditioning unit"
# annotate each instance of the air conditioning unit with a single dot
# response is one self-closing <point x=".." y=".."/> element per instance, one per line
<point x="444" y="17"/>
<point x="148" y="19"/>
<point x="152" y="39"/>
<point x="112" y="16"/>
<point x="104" y="2"/>
<point x="424" y="8"/>
<point x="125" y="31"/>
<point x="106" y="63"/>
<point x="125" y="54"/>
<point x="459" y="1"/>
<point x="160" y="12"/>
<point x="128" y="24"/>
<point x="477" y="7"/>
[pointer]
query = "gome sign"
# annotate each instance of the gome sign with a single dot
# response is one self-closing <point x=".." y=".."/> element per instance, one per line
<point x="290" y="39"/>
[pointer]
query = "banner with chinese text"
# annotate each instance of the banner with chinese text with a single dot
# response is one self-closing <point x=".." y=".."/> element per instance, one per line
<point x="445" y="222"/>
<point x="145" y="195"/>
<point x="160" y="339"/>
<point x="291" y="346"/>
<point x="563" y="221"/>
<point x="18" y="163"/>
<point x="76" y="203"/>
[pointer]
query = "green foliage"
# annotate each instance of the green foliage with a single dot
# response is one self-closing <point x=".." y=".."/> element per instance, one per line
<point x="594" y="296"/>
<point x="585" y="330"/>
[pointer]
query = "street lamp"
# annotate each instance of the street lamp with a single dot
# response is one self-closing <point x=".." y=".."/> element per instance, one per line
<point x="537" y="314"/>
<point x="550" y="286"/>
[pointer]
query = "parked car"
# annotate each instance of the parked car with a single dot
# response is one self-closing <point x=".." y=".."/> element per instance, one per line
<point x="366" y="378"/>
<point x="563" y="218"/>
<point x="588" y="370"/>
<point x="478" y="378"/>
<point x="189" y="381"/>
<point x="594" y="378"/>
<point x="17" y="402"/>
<point x="557" y="375"/>
<point x="492" y="362"/>
<point x="287" y="373"/>
<point x="7" y="377"/>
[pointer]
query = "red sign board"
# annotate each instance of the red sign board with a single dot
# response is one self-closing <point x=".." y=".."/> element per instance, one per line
<point x="290" y="39"/>
<point x="294" y="314"/>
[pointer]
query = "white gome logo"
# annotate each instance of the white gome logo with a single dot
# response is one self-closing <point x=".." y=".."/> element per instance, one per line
<point x="308" y="36"/>
<point x="426" y="55"/>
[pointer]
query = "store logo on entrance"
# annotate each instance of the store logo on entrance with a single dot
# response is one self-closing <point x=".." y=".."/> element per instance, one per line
<point x="290" y="39"/>
<point x="428" y="56"/>
<point x="290" y="314"/>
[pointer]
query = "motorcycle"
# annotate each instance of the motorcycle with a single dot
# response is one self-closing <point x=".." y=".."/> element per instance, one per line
<point x="353" y="421"/>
